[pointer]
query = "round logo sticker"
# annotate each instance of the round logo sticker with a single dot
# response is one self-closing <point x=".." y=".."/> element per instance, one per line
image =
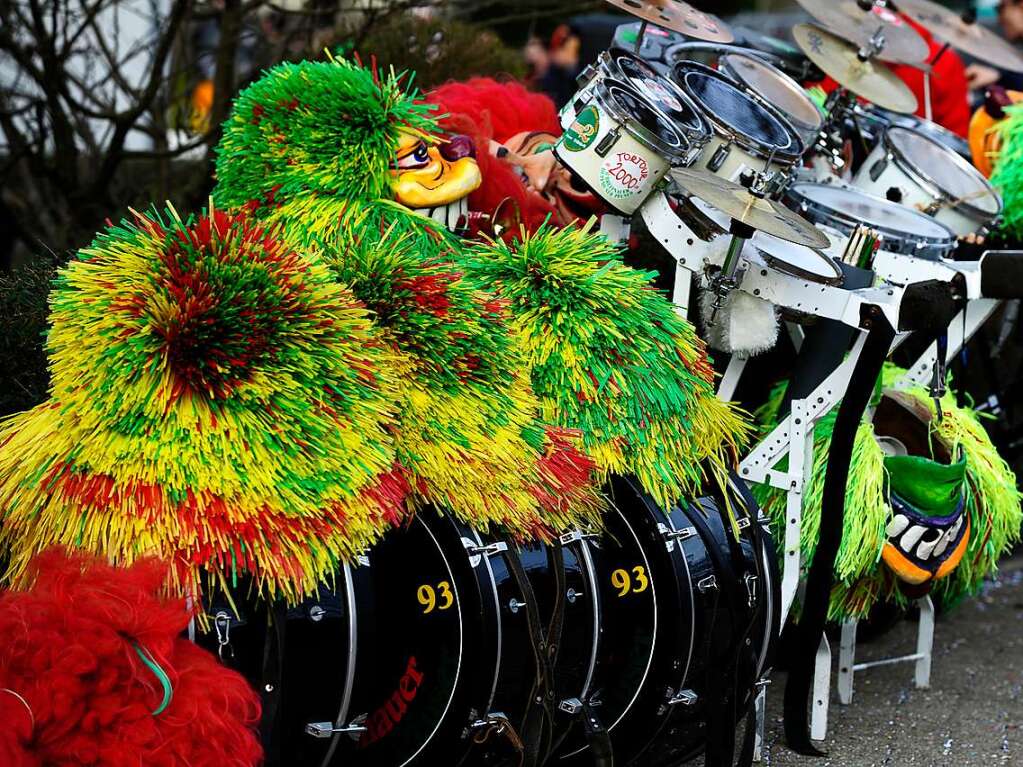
<point x="583" y="130"/>
<point x="623" y="175"/>
<point x="661" y="95"/>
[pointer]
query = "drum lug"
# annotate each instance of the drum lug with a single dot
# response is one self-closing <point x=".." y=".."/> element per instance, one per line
<point x="670" y="536"/>
<point x="571" y="706"/>
<point x="328" y="730"/>
<point x="575" y="537"/>
<point x="751" y="590"/>
<point x="609" y="140"/>
<point x="708" y="583"/>
<point x="719" y="157"/>
<point x="743" y="523"/>
<point x="878" y="167"/>
<point x="476" y="552"/>
<point x="684" y="698"/>
<point x="514" y="605"/>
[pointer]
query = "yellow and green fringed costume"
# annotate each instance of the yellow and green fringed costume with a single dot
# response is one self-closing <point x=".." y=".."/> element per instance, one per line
<point x="218" y="400"/>
<point x="991" y="504"/>
<point x="311" y="146"/>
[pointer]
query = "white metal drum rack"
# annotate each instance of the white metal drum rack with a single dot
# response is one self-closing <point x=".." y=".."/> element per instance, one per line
<point x="793" y="437"/>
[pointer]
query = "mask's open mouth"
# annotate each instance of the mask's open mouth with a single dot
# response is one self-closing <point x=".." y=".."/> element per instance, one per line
<point x="920" y="548"/>
<point x="453" y="216"/>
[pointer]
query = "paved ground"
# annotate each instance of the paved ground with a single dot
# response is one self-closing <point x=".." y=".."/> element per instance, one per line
<point x="971" y="717"/>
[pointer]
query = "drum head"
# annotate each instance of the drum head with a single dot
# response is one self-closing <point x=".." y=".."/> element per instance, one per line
<point x="945" y="169"/>
<point x="843" y="208"/>
<point x="724" y="102"/>
<point x="659" y="90"/>
<point x="632" y="105"/>
<point x="797" y="260"/>
<point x="776" y="88"/>
<point x="426" y="656"/>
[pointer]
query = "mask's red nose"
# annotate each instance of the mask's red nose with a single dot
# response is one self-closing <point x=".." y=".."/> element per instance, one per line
<point x="457" y="147"/>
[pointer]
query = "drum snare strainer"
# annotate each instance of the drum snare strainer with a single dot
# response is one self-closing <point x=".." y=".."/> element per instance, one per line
<point x="913" y="169"/>
<point x="621" y="146"/>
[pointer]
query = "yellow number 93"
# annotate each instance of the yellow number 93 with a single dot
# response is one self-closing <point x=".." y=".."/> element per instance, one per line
<point x="636" y="583"/>
<point x="427" y="596"/>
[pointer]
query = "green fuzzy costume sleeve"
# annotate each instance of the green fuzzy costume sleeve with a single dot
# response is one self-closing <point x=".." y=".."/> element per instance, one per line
<point x="1007" y="177"/>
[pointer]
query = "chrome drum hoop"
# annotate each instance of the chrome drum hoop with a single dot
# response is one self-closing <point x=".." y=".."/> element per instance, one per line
<point x="938" y="242"/>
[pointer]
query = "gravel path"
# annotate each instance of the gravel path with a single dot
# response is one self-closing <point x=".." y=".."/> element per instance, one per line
<point x="971" y="717"/>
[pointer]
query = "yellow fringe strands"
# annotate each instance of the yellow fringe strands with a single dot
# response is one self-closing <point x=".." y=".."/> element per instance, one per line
<point x="218" y="400"/>
<point x="609" y="356"/>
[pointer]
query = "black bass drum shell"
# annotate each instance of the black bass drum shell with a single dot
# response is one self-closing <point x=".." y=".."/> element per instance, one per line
<point x="666" y="640"/>
<point x="559" y="581"/>
<point x="402" y="652"/>
<point x="647" y="626"/>
<point x="747" y="569"/>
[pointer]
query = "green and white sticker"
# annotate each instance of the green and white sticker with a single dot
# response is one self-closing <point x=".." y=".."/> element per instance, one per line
<point x="583" y="130"/>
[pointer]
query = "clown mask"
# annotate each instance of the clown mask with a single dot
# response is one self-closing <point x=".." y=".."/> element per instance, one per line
<point x="436" y="176"/>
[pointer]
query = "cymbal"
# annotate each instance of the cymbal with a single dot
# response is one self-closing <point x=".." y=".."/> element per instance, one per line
<point x="840" y="60"/>
<point x="972" y="38"/>
<point x="679" y="17"/>
<point x="846" y="19"/>
<point x="759" y="213"/>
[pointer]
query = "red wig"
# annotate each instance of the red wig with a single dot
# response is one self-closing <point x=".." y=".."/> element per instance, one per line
<point x="94" y="671"/>
<point x="485" y="110"/>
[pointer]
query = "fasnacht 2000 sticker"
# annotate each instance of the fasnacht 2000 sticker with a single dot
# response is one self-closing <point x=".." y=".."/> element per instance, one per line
<point x="583" y="130"/>
<point x="623" y="174"/>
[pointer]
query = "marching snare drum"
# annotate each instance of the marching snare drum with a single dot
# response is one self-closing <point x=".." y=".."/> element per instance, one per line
<point x="918" y="172"/>
<point x="624" y="67"/>
<point x="796" y="260"/>
<point x="873" y="121"/>
<point x="621" y="145"/>
<point x="901" y="229"/>
<point x="747" y="133"/>
<point x="777" y="89"/>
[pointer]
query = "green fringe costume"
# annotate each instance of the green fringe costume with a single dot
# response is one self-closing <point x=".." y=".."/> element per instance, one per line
<point x="862" y="580"/>
<point x="310" y="145"/>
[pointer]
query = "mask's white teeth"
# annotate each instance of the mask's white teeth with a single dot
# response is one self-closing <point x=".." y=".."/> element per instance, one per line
<point x="911" y="538"/>
<point x="897" y="525"/>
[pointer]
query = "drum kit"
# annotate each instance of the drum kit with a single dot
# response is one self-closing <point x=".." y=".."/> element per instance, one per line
<point x="446" y="646"/>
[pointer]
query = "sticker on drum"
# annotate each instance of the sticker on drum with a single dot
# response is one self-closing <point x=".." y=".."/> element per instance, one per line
<point x="583" y="130"/>
<point x="620" y="145"/>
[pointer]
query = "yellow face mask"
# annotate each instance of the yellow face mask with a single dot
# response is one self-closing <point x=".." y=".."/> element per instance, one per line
<point x="427" y="175"/>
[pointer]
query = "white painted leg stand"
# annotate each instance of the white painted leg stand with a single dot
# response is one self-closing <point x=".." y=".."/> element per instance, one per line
<point x="847" y="665"/>
<point x="821" y="691"/>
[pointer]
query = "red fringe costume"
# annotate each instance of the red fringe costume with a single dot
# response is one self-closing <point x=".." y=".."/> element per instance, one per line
<point x="75" y="691"/>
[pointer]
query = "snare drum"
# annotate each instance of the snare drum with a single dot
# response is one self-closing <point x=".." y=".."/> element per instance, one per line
<point x="873" y="121"/>
<point x="621" y="146"/>
<point x="797" y="260"/>
<point x="747" y="133"/>
<point x="625" y="67"/>
<point x="902" y="230"/>
<point x="915" y="170"/>
<point x="777" y="89"/>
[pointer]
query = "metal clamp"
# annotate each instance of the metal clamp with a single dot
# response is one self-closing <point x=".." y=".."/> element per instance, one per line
<point x="682" y="534"/>
<point x="719" y="157"/>
<point x="609" y="140"/>
<point x="710" y="582"/>
<point x="328" y="730"/>
<point x="683" y="698"/>
<point x="571" y="706"/>
<point x="575" y="537"/>
<point x="222" y="625"/>
<point x="489" y="549"/>
<point x="750" y="581"/>
<point x="514" y="605"/>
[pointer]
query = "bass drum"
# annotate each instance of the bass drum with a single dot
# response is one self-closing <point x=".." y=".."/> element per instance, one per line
<point x="679" y="597"/>
<point x="390" y="665"/>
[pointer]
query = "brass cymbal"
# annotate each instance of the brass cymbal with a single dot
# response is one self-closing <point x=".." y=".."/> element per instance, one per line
<point x="679" y="17"/>
<point x="969" y="37"/>
<point x="847" y="20"/>
<point x="761" y="214"/>
<point x="840" y="60"/>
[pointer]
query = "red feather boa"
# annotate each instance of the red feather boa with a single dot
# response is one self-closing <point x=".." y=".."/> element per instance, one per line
<point x="73" y="690"/>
